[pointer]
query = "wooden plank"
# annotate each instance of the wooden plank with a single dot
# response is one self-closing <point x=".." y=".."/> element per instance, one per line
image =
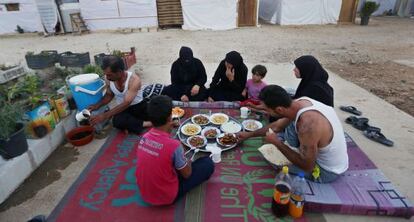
<point x="247" y="13"/>
<point x="348" y="11"/>
<point x="169" y="12"/>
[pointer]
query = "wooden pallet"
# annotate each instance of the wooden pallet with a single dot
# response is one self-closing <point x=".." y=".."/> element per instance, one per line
<point x="169" y="12"/>
<point x="78" y="24"/>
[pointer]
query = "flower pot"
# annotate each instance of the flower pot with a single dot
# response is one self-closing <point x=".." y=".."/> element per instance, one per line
<point x="41" y="119"/>
<point x="11" y="73"/>
<point x="81" y="135"/>
<point x="99" y="59"/>
<point x="15" y="145"/>
<point x="70" y="59"/>
<point x="42" y="60"/>
<point x="129" y="58"/>
<point x="60" y="103"/>
<point x="364" y="20"/>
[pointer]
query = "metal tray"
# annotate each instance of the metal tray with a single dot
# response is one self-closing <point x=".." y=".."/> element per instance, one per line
<point x="183" y="138"/>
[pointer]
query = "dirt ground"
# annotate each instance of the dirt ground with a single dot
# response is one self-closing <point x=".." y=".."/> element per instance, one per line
<point x="359" y="54"/>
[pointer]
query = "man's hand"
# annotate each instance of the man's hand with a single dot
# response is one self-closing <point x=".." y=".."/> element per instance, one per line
<point x="93" y="107"/>
<point x="243" y="136"/>
<point x="230" y="74"/>
<point x="271" y="137"/>
<point x="184" y="98"/>
<point x="195" y="90"/>
<point x="210" y="100"/>
<point x="97" y="119"/>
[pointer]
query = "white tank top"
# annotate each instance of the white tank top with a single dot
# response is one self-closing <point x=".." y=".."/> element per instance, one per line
<point x="333" y="157"/>
<point x="119" y="96"/>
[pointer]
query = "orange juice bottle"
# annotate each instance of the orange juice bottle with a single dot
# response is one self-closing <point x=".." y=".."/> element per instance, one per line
<point x="297" y="197"/>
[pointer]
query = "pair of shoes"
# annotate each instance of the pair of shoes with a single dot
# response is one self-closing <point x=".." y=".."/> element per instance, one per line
<point x="361" y="123"/>
<point x="371" y="132"/>
<point x="351" y="109"/>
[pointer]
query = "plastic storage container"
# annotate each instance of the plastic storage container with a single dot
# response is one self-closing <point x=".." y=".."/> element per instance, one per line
<point x="87" y="89"/>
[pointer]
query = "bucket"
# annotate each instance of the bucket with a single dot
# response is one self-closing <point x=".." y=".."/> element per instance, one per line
<point x="87" y="89"/>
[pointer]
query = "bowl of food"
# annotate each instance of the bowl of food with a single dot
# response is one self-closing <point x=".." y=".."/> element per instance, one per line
<point x="177" y="112"/>
<point x="227" y="139"/>
<point x="190" y="129"/>
<point x="231" y="127"/>
<point x="210" y="132"/>
<point x="251" y="125"/>
<point x="200" y="119"/>
<point x="219" y="118"/>
<point x="197" y="141"/>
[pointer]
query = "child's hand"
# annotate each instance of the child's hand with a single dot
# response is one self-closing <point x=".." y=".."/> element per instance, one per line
<point x="244" y="93"/>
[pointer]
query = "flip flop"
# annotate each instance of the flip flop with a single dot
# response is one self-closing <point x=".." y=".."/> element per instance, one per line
<point x="361" y="123"/>
<point x="378" y="137"/>
<point x="358" y="123"/>
<point x="351" y="109"/>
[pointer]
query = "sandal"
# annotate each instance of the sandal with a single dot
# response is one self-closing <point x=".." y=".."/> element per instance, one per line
<point x="351" y="109"/>
<point x="358" y="123"/>
<point x="378" y="137"/>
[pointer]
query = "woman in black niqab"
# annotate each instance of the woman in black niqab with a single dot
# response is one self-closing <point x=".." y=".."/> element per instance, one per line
<point x="188" y="77"/>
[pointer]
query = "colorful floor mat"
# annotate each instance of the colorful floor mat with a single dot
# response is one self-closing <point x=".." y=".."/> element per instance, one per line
<point x="239" y="190"/>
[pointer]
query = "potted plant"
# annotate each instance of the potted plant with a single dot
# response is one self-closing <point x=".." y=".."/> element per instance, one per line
<point x="93" y="69"/>
<point x="70" y="59"/>
<point x="8" y="73"/>
<point x="128" y="57"/>
<point x="44" y="59"/>
<point x="367" y="10"/>
<point x="12" y="137"/>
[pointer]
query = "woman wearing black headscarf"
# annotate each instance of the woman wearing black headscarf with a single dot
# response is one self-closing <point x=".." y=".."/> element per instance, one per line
<point x="188" y="77"/>
<point x="314" y="83"/>
<point x="229" y="80"/>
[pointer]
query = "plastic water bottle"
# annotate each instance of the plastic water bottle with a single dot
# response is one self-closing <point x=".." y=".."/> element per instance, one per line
<point x="297" y="197"/>
<point x="281" y="193"/>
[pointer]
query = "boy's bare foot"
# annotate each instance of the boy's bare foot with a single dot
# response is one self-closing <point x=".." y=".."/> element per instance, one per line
<point x="147" y="124"/>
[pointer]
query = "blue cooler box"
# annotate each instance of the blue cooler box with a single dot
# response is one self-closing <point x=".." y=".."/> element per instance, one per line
<point x="87" y="89"/>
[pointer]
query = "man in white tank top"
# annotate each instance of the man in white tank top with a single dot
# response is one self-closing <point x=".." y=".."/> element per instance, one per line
<point x="130" y="113"/>
<point x="322" y="152"/>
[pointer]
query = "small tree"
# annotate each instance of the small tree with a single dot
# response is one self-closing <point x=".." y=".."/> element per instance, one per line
<point x="367" y="10"/>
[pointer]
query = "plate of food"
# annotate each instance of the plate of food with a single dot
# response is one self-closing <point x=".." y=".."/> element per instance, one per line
<point x="210" y="132"/>
<point x="219" y="118"/>
<point x="251" y="125"/>
<point x="227" y="139"/>
<point x="231" y="127"/>
<point x="197" y="141"/>
<point x="177" y="112"/>
<point x="190" y="129"/>
<point x="200" y="119"/>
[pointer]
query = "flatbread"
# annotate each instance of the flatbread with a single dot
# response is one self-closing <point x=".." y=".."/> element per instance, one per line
<point x="273" y="155"/>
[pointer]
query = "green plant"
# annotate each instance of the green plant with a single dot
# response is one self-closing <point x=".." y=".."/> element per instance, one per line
<point x="93" y="69"/>
<point x="117" y="53"/>
<point x="369" y="8"/>
<point x="10" y="115"/>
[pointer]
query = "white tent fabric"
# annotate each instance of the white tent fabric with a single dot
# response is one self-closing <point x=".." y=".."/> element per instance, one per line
<point x="209" y="14"/>
<point x="113" y="14"/>
<point x="300" y="12"/>
<point x="27" y="17"/>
